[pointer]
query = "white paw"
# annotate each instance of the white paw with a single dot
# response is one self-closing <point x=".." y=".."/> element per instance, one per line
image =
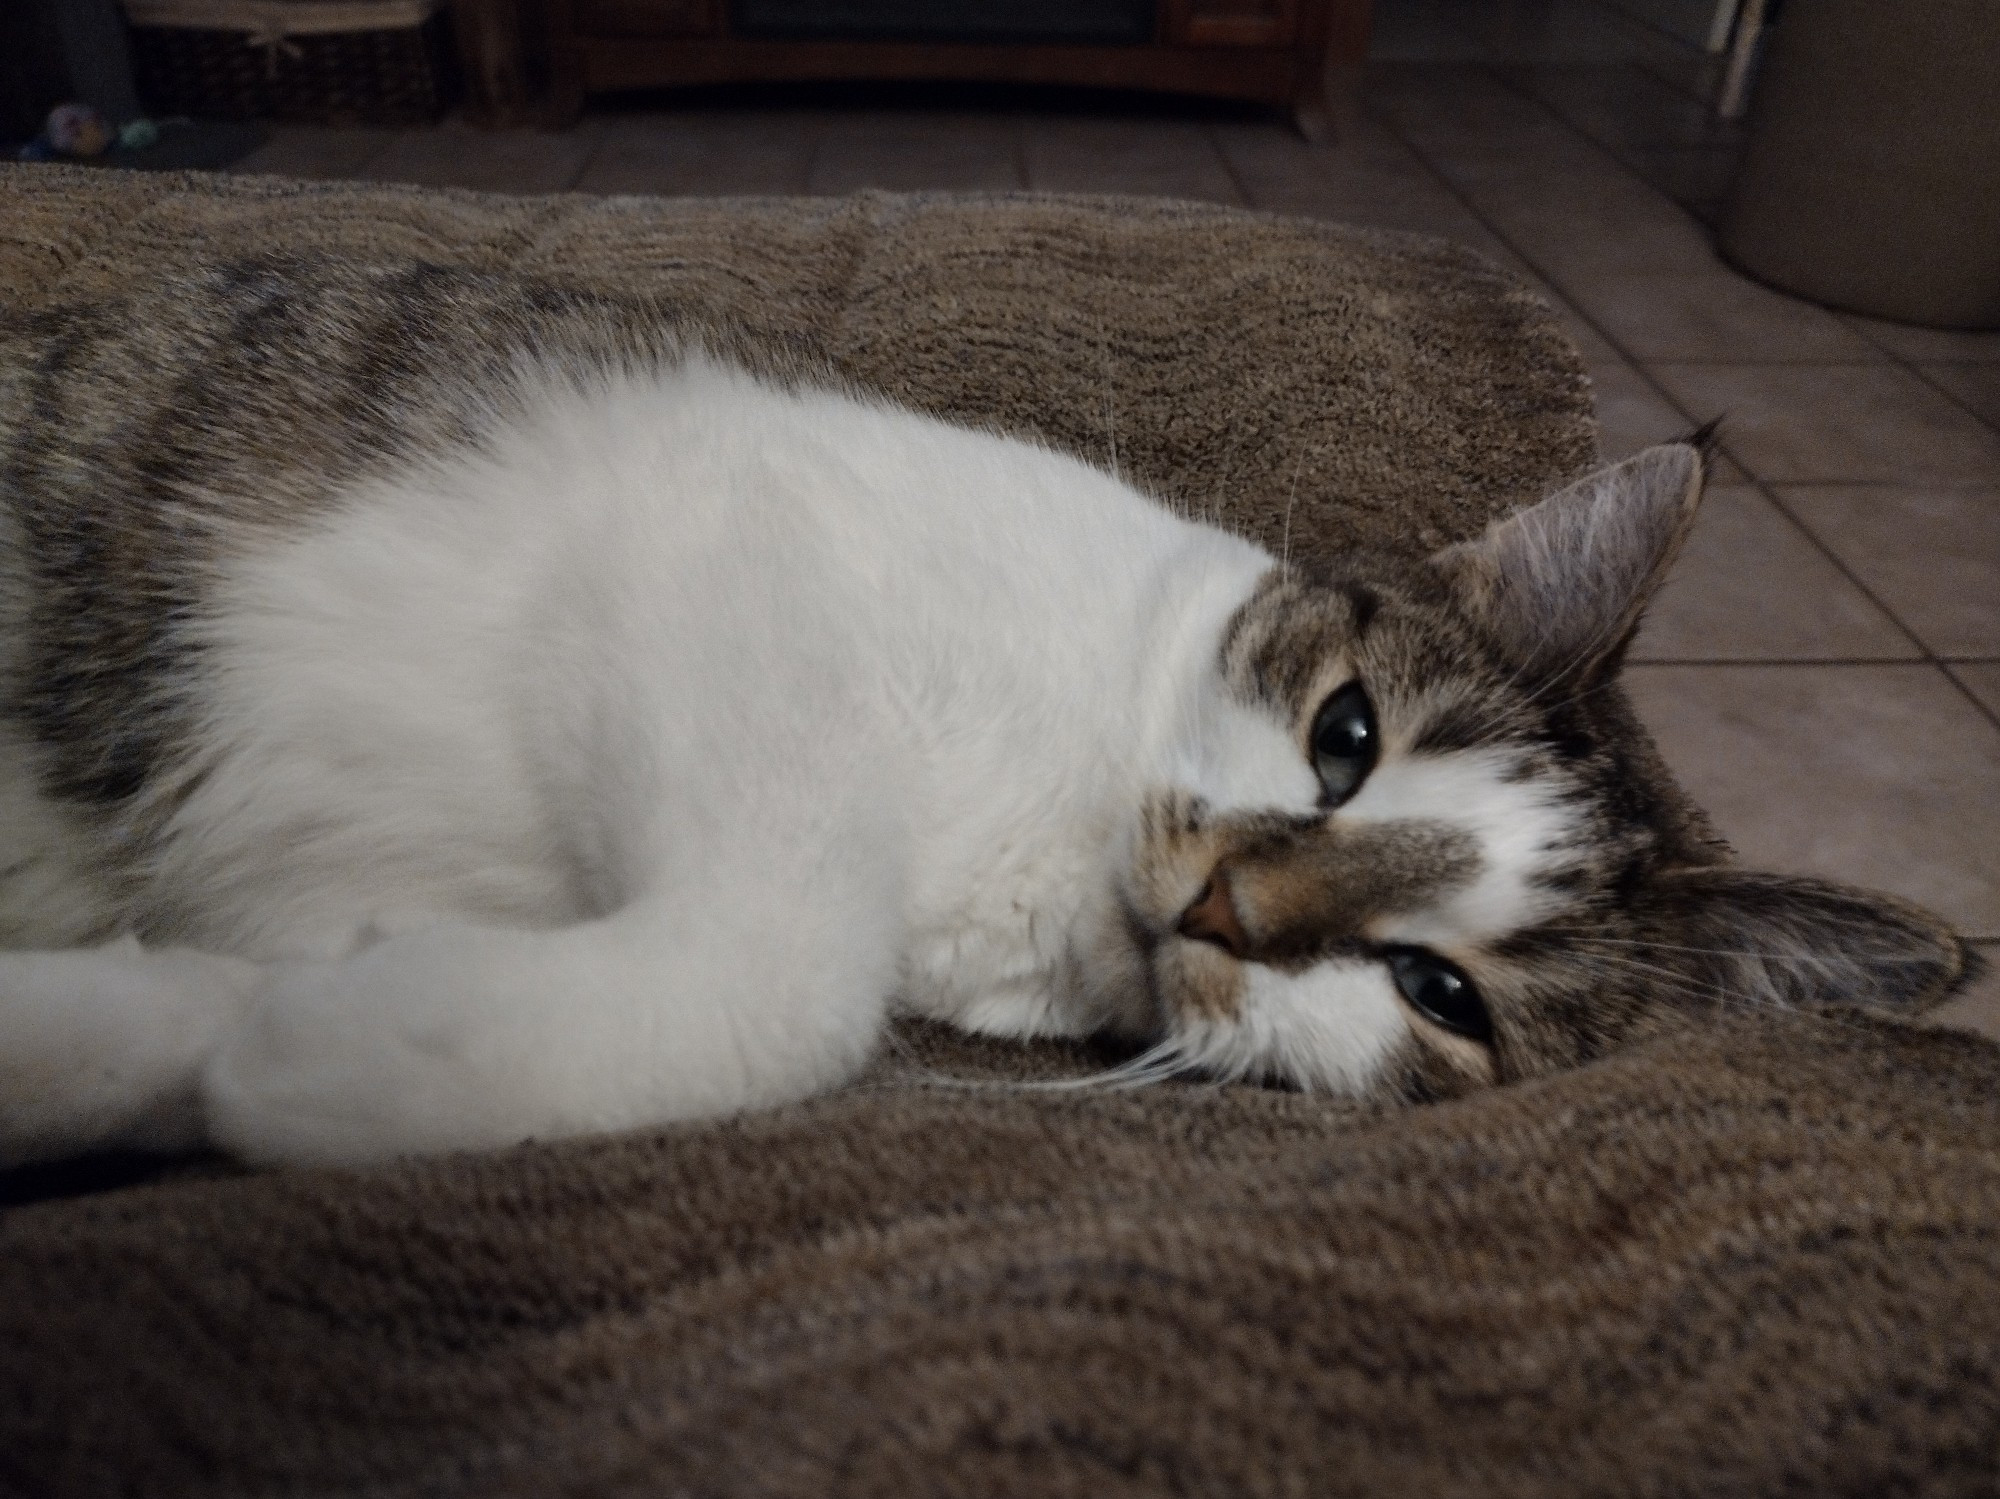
<point x="356" y="1061"/>
<point x="103" y="1047"/>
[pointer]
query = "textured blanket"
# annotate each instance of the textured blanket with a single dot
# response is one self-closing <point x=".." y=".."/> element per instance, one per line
<point x="1759" y="1256"/>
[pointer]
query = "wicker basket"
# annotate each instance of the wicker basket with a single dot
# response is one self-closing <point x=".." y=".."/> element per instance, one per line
<point x="322" y="62"/>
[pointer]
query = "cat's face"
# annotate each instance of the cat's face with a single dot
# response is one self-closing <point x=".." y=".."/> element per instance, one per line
<point x="1418" y="843"/>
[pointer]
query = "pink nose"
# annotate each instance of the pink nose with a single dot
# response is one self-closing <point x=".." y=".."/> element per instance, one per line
<point x="1212" y="917"/>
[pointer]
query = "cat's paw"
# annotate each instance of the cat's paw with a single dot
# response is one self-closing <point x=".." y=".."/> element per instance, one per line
<point x="103" y="1047"/>
<point x="373" y="1057"/>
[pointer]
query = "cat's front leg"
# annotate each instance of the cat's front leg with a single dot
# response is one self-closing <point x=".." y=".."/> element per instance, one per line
<point x="463" y="1037"/>
<point x="103" y="1047"/>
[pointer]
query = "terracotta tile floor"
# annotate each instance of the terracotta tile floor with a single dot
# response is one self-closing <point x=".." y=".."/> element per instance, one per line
<point x="1824" y="670"/>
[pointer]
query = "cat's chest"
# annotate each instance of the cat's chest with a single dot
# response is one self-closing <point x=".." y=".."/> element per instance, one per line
<point x="998" y="903"/>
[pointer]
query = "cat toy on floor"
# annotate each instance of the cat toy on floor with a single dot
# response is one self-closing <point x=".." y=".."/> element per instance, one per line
<point x="80" y="131"/>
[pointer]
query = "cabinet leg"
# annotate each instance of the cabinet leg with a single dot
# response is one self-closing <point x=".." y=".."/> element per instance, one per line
<point x="1312" y="120"/>
<point x="1327" y="108"/>
<point x="563" y="106"/>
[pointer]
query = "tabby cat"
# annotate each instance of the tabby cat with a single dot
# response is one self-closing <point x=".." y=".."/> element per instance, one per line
<point x="441" y="711"/>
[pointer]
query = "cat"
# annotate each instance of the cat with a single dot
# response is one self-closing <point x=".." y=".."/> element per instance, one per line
<point x="439" y="710"/>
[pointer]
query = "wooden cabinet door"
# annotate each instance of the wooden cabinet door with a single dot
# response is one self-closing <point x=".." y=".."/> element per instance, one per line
<point x="1232" y="23"/>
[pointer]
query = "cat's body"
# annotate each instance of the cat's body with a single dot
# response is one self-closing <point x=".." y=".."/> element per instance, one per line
<point x="492" y="724"/>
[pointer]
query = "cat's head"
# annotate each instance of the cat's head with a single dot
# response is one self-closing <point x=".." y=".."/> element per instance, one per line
<point x="1419" y="842"/>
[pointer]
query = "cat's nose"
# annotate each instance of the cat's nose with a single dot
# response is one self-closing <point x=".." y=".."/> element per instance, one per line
<point x="1212" y="917"/>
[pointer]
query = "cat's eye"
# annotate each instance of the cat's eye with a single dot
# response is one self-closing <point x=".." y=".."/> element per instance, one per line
<point x="1344" y="742"/>
<point x="1439" y="992"/>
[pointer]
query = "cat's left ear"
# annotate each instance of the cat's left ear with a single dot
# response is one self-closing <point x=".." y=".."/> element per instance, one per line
<point x="1749" y="937"/>
<point x="1562" y="584"/>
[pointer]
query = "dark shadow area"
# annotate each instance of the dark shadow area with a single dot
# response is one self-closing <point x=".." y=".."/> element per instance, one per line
<point x="104" y="1171"/>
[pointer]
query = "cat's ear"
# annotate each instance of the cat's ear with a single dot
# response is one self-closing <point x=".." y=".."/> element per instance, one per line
<point x="1741" y="937"/>
<point x="1561" y="585"/>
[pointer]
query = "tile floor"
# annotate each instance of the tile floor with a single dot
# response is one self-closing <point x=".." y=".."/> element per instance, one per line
<point x="1824" y="670"/>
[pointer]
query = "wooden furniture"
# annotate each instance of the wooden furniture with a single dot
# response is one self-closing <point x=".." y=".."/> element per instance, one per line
<point x="1276" y="52"/>
<point x="500" y="57"/>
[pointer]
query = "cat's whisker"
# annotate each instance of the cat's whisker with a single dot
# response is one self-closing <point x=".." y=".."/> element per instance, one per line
<point x="1672" y="982"/>
<point x="1509" y="710"/>
<point x="1586" y="654"/>
<point x="1157" y="1064"/>
<point x="1110" y="398"/>
<point x="1721" y="998"/>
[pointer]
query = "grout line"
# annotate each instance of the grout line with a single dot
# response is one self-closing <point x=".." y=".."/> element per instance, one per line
<point x="1991" y="711"/>
<point x="1857" y="325"/>
<point x="1622" y="147"/>
<point x="1788" y="662"/>
<point x="1730" y="364"/>
<point x="1949" y="486"/>
<point x="589" y="157"/>
<point x="1243" y="197"/>
<point x="1770" y="493"/>
<point x="1539" y="267"/>
<point x="1950" y="395"/>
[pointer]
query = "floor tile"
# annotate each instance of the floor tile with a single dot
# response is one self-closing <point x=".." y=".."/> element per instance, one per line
<point x="1931" y="555"/>
<point x="1977" y="1006"/>
<point x="1751" y="586"/>
<point x="501" y="161"/>
<point x="1974" y="386"/>
<point x="1497" y="162"/>
<point x="1878" y="775"/>
<point x="1867" y="423"/>
<point x="1165" y="158"/>
<point x="1450" y="98"/>
<point x="1690" y="175"/>
<point x="1924" y="344"/>
<point x="1692" y="71"/>
<point x="1712" y="314"/>
<point x="1613" y="224"/>
<point x="1596" y="350"/>
<point x="724" y="153"/>
<point x="315" y="151"/>
<point x="1370" y="178"/>
<point x="1367" y="177"/>
<point x="1982" y="680"/>
<point x="1631" y="414"/>
<point x="1621" y="105"/>
<point x="918" y="151"/>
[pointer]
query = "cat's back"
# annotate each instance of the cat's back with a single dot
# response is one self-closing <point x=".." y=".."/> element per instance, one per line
<point x="333" y="589"/>
<point x="152" y="453"/>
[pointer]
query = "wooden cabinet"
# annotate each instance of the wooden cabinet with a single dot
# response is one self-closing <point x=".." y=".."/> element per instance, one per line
<point x="1232" y="23"/>
<point x="648" y="17"/>
<point x="1276" y="52"/>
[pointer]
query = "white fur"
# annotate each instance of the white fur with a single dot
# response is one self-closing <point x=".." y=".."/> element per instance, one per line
<point x="1239" y="758"/>
<point x="1329" y="1028"/>
<point x="1519" y="827"/>
<point x="103" y="1045"/>
<point x="633" y="769"/>
<point x="626" y="772"/>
